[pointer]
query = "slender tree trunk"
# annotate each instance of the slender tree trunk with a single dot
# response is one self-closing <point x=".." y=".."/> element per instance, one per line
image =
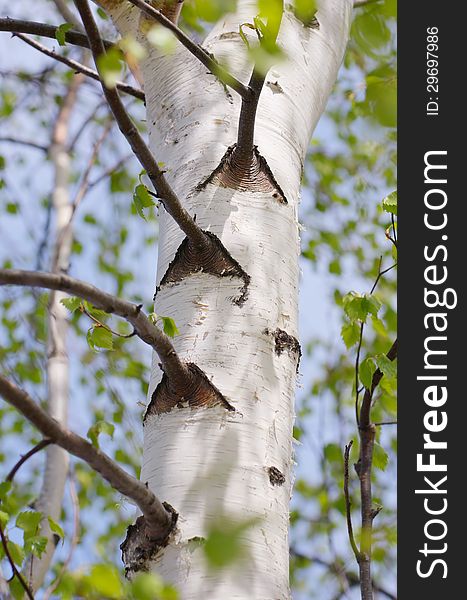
<point x="57" y="459"/>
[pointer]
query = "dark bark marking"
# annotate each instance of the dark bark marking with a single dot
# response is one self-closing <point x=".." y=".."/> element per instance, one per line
<point x="276" y="477"/>
<point x="283" y="342"/>
<point x="250" y="175"/>
<point x="202" y="394"/>
<point x="139" y="548"/>
<point x="214" y="260"/>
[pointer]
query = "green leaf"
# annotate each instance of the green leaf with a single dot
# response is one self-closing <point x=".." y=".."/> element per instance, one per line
<point x="224" y="544"/>
<point x="390" y="203"/>
<point x="142" y="199"/>
<point x="16" y="552"/>
<point x="388" y="367"/>
<point x="149" y="586"/>
<point x="169" y="326"/>
<point x="36" y="545"/>
<point x="212" y="10"/>
<point x="99" y="337"/>
<point x="72" y="303"/>
<point x="97" y="429"/>
<point x="366" y="371"/>
<point x="305" y="11"/>
<point x="60" y="33"/>
<point x="333" y="453"/>
<point x="55" y="528"/>
<point x="357" y="306"/>
<point x="110" y="67"/>
<point x="380" y="457"/>
<point x="29" y="522"/>
<point x="350" y="333"/>
<point x="4" y="518"/>
<point x="105" y="580"/>
<point x="5" y="487"/>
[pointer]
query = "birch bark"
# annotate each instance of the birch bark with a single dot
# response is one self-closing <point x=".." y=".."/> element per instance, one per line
<point x="214" y="465"/>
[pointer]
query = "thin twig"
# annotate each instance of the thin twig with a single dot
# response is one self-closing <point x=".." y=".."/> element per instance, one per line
<point x="45" y="30"/>
<point x="16" y="573"/>
<point x="348" y="502"/>
<point x="166" y="194"/>
<point x="157" y="517"/>
<point x="200" y="53"/>
<point x="176" y="371"/>
<point x="37" y="448"/>
<point x="100" y="324"/>
<point x="78" y="67"/>
<point x="385" y="423"/>
<point x="29" y="143"/>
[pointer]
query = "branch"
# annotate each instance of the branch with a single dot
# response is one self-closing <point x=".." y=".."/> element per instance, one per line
<point x="31" y="144"/>
<point x="157" y="517"/>
<point x="198" y="52"/>
<point x="176" y="371"/>
<point x="164" y="191"/>
<point x="80" y="68"/>
<point x="45" y="30"/>
<point x="365" y="420"/>
<point x="37" y="448"/>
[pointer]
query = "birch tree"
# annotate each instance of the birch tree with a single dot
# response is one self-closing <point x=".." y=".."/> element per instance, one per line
<point x="228" y="121"/>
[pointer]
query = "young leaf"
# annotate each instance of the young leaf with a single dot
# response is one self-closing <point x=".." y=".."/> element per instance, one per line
<point x="104" y="579"/>
<point x="380" y="457"/>
<point x="99" y="337"/>
<point x="29" y="522"/>
<point x="110" y="67"/>
<point x="142" y="200"/>
<point x="350" y="333"/>
<point x="36" y="545"/>
<point x="390" y="203"/>
<point x="366" y="371"/>
<point x="388" y="367"/>
<point x="55" y="528"/>
<point x="61" y="32"/>
<point x="169" y="327"/>
<point x="72" y="303"/>
<point x="97" y="429"/>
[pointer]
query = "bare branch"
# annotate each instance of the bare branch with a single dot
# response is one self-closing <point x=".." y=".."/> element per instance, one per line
<point x="67" y="14"/>
<point x="37" y="448"/>
<point x="174" y="368"/>
<point x="80" y="68"/>
<point x="204" y="57"/>
<point x="157" y="517"/>
<point x="29" y="143"/>
<point x="164" y="191"/>
<point x="45" y="30"/>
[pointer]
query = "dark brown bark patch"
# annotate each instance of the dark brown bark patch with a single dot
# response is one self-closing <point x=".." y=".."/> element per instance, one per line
<point x="246" y="174"/>
<point x="139" y="548"/>
<point x="213" y="259"/>
<point x="283" y="342"/>
<point x="202" y="394"/>
<point x="276" y="477"/>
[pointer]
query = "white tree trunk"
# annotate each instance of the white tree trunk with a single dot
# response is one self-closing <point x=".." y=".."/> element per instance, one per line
<point x="211" y="464"/>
